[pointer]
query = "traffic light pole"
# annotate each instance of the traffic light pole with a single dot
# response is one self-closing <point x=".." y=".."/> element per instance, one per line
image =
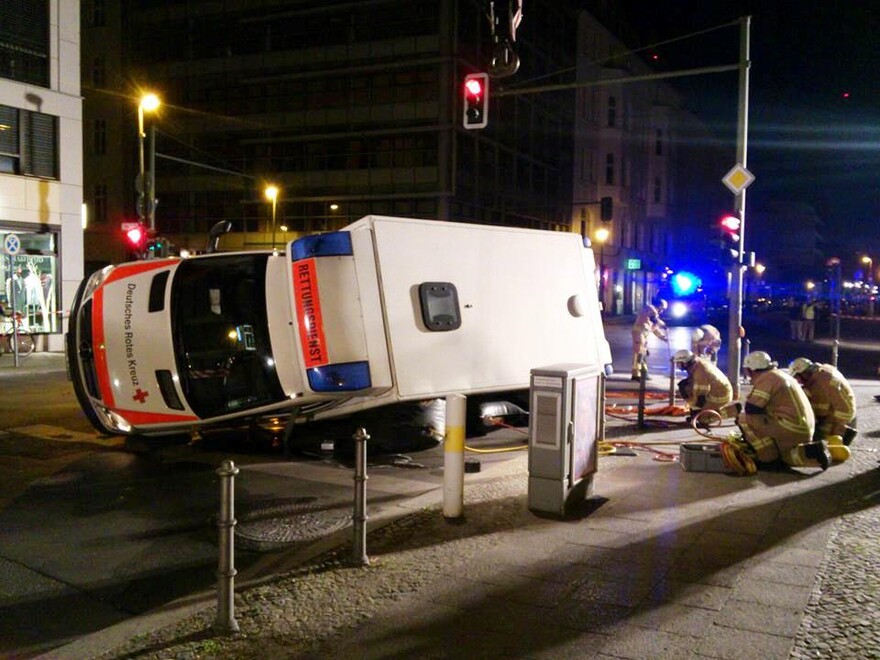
<point x="736" y="271"/>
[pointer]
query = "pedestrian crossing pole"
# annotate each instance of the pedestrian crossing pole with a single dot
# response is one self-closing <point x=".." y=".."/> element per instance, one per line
<point x="736" y="272"/>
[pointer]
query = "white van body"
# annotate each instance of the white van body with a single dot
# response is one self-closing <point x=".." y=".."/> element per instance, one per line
<point x="386" y="310"/>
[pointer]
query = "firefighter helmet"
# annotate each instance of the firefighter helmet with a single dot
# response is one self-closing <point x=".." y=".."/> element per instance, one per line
<point x="697" y="335"/>
<point x="799" y="366"/>
<point x="682" y="356"/>
<point x="758" y="361"/>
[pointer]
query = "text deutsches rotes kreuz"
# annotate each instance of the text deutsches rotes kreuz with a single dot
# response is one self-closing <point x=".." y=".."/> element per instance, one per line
<point x="131" y="361"/>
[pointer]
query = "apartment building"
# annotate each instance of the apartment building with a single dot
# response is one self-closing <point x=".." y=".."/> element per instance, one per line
<point x="636" y="144"/>
<point x="348" y="108"/>
<point x="41" y="220"/>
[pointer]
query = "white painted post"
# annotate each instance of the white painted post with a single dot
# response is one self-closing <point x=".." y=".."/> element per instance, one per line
<point x="453" y="457"/>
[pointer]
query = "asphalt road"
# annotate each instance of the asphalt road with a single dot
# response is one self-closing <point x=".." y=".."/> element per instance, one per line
<point x="94" y="530"/>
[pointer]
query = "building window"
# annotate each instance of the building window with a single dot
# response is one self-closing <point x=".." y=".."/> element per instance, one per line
<point x="612" y="111"/>
<point x="658" y="190"/>
<point x="100" y="200"/>
<point x="99" y="138"/>
<point x="10" y="154"/>
<point x="609" y="169"/>
<point x="28" y="143"/>
<point x="99" y="13"/>
<point x="99" y="72"/>
<point x="24" y="41"/>
<point x="658" y="145"/>
<point x="31" y="277"/>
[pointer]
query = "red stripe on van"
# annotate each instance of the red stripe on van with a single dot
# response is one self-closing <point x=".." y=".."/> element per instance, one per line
<point x="100" y="350"/>
<point x="137" y="418"/>
<point x="308" y="313"/>
<point x="136" y="268"/>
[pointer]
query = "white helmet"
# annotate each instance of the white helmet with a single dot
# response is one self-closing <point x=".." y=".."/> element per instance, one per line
<point x="799" y="366"/>
<point x="697" y="335"/>
<point x="758" y="361"/>
<point x="683" y="356"/>
<point x="662" y="304"/>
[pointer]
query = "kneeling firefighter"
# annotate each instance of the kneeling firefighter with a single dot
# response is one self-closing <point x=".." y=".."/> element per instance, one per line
<point x="778" y="421"/>
<point x="706" y="387"/>
<point x="833" y="402"/>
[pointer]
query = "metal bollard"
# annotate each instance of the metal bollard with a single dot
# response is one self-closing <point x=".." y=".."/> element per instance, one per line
<point x="453" y="457"/>
<point x="643" y="377"/>
<point x="225" y="622"/>
<point x="359" y="554"/>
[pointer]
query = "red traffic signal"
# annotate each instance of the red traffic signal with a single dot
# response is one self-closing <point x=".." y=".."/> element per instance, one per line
<point x="730" y="225"/>
<point x="476" y="100"/>
<point x="135" y="235"/>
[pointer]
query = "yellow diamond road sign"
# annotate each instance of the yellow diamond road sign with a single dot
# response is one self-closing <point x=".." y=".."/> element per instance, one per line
<point x="738" y="179"/>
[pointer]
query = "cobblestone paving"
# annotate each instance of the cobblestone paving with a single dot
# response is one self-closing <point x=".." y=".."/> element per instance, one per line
<point x="841" y="620"/>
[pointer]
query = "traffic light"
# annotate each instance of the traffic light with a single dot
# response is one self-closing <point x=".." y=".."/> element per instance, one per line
<point x="135" y="235"/>
<point x="476" y="100"/>
<point x="157" y="247"/>
<point x="606" y="209"/>
<point x="730" y="227"/>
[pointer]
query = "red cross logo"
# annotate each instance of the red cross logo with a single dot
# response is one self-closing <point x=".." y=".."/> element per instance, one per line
<point x="140" y="396"/>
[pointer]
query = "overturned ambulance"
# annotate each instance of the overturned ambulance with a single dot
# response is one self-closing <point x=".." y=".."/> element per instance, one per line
<point x="386" y="310"/>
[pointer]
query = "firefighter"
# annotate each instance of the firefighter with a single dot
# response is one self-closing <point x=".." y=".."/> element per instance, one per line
<point x="706" y="387"/>
<point x="647" y="322"/>
<point x="831" y="396"/>
<point x="706" y="340"/>
<point x="778" y="422"/>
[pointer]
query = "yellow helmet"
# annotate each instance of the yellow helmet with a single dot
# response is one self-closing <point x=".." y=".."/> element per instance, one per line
<point x="758" y="361"/>
<point x="799" y="366"/>
<point x="683" y="356"/>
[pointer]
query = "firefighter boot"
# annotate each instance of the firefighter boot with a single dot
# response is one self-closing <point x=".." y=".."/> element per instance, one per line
<point x="849" y="434"/>
<point x="839" y="452"/>
<point x="817" y="451"/>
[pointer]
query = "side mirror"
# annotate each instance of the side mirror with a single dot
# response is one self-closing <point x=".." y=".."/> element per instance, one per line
<point x="222" y="227"/>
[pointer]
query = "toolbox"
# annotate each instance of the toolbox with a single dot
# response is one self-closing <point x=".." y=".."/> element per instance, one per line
<point x="702" y="457"/>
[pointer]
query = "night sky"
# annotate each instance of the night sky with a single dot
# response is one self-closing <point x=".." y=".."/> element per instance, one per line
<point x="814" y="123"/>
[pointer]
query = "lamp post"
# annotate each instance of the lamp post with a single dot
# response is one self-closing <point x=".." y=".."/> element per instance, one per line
<point x="870" y="279"/>
<point x="272" y="195"/>
<point x="146" y="189"/>
<point x="834" y="262"/>
<point x="601" y="235"/>
<point x="283" y="228"/>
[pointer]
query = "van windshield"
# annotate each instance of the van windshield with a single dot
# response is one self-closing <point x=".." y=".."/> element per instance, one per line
<point x="221" y="335"/>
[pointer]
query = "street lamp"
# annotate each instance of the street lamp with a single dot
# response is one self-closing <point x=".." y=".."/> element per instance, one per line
<point x="272" y="195"/>
<point x="601" y="235"/>
<point x="867" y="260"/>
<point x="283" y="228"/>
<point x="147" y="189"/>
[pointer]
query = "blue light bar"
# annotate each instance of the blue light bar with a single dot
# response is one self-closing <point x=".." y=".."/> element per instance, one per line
<point x="685" y="283"/>
<point x="332" y="244"/>
<point x="343" y="377"/>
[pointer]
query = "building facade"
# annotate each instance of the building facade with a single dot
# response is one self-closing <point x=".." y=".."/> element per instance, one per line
<point x="637" y="145"/>
<point x="348" y="108"/>
<point x="40" y="163"/>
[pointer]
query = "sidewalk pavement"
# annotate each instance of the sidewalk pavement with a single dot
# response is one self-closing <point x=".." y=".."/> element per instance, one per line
<point x="661" y="563"/>
<point x="37" y="361"/>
